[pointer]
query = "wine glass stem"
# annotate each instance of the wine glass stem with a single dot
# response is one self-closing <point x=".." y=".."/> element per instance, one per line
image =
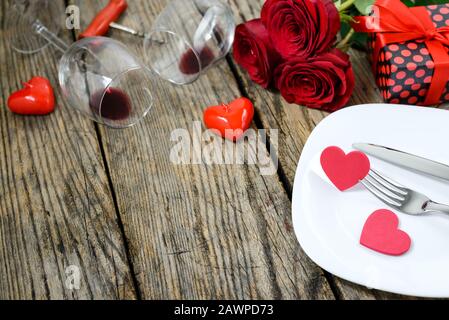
<point x="53" y="39"/>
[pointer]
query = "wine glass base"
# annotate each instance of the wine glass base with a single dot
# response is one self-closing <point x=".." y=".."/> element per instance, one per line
<point x="19" y="23"/>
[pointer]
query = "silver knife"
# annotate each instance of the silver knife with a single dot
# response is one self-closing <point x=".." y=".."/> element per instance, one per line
<point x="405" y="160"/>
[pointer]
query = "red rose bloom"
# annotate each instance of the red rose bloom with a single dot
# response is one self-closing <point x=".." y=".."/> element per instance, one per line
<point x="254" y="52"/>
<point x="301" y="28"/>
<point x="322" y="82"/>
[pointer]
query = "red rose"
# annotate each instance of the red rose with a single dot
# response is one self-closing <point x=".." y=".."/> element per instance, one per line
<point x="301" y="28"/>
<point x="322" y="82"/>
<point x="254" y="52"/>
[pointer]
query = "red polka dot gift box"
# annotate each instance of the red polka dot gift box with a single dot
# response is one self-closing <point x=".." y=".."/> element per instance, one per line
<point x="409" y="51"/>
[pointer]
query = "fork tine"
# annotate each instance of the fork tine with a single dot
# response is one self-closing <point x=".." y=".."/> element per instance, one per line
<point x="391" y="182"/>
<point x="385" y="190"/>
<point x="396" y="193"/>
<point x="376" y="191"/>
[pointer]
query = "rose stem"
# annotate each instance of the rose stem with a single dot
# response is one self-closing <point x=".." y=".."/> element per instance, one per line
<point x="346" y="39"/>
<point x="345" y="5"/>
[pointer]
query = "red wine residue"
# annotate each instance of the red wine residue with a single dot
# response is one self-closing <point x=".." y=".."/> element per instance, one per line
<point x="116" y="104"/>
<point x="189" y="62"/>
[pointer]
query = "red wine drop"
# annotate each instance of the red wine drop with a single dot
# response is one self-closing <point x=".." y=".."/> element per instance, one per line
<point x="189" y="62"/>
<point x="116" y="104"/>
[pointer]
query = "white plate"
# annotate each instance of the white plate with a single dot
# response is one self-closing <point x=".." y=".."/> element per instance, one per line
<point x="328" y="222"/>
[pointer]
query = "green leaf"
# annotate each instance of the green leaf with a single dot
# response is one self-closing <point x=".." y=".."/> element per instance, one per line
<point x="346" y="18"/>
<point x="408" y="3"/>
<point x="359" y="40"/>
<point x="345" y="27"/>
<point x="364" y="6"/>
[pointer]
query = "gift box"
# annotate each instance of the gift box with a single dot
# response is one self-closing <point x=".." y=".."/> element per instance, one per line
<point x="409" y="51"/>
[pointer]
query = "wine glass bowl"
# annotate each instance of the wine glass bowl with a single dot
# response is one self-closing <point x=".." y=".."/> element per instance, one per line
<point x="102" y="79"/>
<point x="187" y="38"/>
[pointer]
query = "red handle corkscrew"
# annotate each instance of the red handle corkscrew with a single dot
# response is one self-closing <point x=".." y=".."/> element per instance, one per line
<point x="100" y="24"/>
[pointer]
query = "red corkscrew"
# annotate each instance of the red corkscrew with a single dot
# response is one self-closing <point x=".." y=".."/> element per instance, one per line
<point x="100" y="24"/>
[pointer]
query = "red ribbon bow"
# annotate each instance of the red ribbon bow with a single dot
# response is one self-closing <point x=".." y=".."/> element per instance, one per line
<point x="393" y="22"/>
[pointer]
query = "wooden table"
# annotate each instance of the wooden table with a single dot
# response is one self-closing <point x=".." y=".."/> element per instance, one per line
<point x="110" y="202"/>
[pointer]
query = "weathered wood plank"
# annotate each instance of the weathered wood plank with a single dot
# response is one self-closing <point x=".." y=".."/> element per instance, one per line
<point x="56" y="208"/>
<point x="296" y="123"/>
<point x="199" y="231"/>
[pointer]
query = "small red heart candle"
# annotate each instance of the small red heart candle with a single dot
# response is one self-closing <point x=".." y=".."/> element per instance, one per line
<point x="232" y="119"/>
<point x="36" y="98"/>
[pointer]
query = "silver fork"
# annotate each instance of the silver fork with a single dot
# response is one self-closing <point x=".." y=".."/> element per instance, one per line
<point x="399" y="197"/>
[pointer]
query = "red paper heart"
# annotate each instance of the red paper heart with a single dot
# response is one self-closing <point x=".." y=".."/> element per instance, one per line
<point x="381" y="234"/>
<point x="345" y="171"/>
<point x="231" y="120"/>
<point x="36" y="98"/>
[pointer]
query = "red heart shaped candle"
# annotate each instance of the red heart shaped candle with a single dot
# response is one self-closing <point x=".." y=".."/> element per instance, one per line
<point x="232" y="119"/>
<point x="344" y="170"/>
<point x="381" y="234"/>
<point x="36" y="98"/>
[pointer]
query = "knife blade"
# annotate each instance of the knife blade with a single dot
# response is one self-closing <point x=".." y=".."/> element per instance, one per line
<point x="405" y="160"/>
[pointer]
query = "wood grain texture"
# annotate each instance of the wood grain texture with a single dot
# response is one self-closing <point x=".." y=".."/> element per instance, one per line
<point x="56" y="209"/>
<point x="296" y="123"/>
<point x="199" y="231"/>
<point x="111" y="201"/>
